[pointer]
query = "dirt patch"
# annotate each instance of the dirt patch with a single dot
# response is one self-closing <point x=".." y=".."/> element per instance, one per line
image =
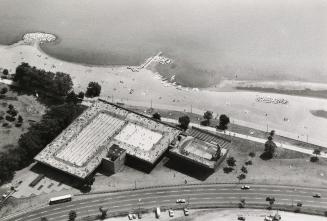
<point x="319" y="113"/>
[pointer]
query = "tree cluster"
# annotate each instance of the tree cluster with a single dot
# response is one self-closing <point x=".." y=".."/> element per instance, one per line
<point x="32" y="79"/>
<point x="39" y="135"/>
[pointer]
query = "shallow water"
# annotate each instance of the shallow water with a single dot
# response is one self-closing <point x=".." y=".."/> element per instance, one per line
<point x="209" y="39"/>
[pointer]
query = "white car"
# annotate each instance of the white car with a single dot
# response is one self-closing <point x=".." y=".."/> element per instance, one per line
<point x="130" y="216"/>
<point x="245" y="187"/>
<point x="180" y="201"/>
<point x="171" y="213"/>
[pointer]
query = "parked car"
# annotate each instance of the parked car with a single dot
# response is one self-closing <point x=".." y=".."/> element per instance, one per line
<point x="317" y="195"/>
<point x="186" y="212"/>
<point x="240" y="217"/>
<point x="245" y="187"/>
<point x="171" y="213"/>
<point x="130" y="216"/>
<point x="134" y="216"/>
<point x="180" y="201"/>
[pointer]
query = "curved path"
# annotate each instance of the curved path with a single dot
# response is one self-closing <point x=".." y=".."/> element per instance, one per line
<point x="213" y="195"/>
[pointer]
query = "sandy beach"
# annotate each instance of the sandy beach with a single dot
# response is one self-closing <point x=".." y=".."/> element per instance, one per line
<point x="124" y="85"/>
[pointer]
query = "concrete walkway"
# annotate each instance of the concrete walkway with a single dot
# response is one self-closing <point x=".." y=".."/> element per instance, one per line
<point x="250" y="138"/>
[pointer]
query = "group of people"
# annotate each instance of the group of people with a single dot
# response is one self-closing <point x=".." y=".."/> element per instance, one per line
<point x="272" y="100"/>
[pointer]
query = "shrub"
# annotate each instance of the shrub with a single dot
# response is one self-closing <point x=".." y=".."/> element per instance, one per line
<point x="314" y="159"/>
<point x="231" y="161"/>
<point x="12" y="112"/>
<point x="20" y="119"/>
<point x="5" y="71"/>
<point x="5" y="124"/>
<point x="228" y="169"/>
<point x="4" y="90"/>
<point x="10" y="118"/>
<point x="18" y="125"/>
<point x="247" y="163"/>
<point x="252" y="154"/>
<point x="156" y="116"/>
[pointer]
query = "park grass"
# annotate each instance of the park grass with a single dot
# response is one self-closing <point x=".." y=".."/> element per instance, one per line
<point x="197" y="119"/>
<point x="27" y="106"/>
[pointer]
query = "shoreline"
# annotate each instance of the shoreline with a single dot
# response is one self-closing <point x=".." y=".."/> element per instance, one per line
<point x="120" y="83"/>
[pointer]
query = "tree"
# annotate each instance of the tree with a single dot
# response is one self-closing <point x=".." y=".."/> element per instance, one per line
<point x="20" y="119"/>
<point x="81" y="95"/>
<point x="272" y="133"/>
<point x="72" y="215"/>
<point x="223" y="122"/>
<point x="4" y="90"/>
<point x="271" y="201"/>
<point x="10" y="107"/>
<point x="63" y="83"/>
<point x="156" y="116"/>
<point x="316" y="152"/>
<point x="184" y="122"/>
<point x="252" y="154"/>
<point x="270" y="148"/>
<point x="242" y="203"/>
<point x="207" y="116"/>
<point x="103" y="212"/>
<point x="241" y="177"/>
<point x="231" y="161"/>
<point x="315" y="158"/>
<point x="72" y="98"/>
<point x="5" y="71"/>
<point x="93" y="89"/>
<point x="244" y="169"/>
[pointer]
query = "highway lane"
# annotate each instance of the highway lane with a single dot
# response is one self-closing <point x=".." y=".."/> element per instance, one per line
<point x="166" y="196"/>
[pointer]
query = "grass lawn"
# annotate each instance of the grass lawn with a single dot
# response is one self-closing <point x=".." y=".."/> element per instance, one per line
<point x="195" y="118"/>
<point x="27" y="107"/>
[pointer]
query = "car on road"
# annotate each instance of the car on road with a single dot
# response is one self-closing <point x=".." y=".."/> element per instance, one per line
<point x="186" y="212"/>
<point x="241" y="217"/>
<point x="269" y="198"/>
<point x="317" y="195"/>
<point x="180" y="201"/>
<point x="171" y="213"/>
<point x="245" y="187"/>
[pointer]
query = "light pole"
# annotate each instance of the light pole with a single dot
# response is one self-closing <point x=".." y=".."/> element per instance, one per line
<point x="267" y="122"/>
<point x="307" y="135"/>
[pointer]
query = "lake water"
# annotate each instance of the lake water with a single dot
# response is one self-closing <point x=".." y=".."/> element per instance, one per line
<point x="209" y="40"/>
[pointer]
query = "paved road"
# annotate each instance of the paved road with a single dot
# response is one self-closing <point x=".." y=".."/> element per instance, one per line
<point x="204" y="194"/>
<point x="251" y="138"/>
